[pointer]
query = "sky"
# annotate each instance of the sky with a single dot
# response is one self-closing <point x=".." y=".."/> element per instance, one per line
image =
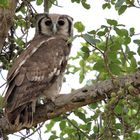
<point x="92" y="19"/>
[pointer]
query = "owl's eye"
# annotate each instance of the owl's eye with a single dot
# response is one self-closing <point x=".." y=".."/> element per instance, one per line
<point x="48" y="22"/>
<point x="61" y="22"/>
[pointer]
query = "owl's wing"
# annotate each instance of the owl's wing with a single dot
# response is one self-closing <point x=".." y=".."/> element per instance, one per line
<point x="34" y="71"/>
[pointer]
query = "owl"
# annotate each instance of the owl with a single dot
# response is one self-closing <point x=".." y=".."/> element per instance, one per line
<point x="38" y="72"/>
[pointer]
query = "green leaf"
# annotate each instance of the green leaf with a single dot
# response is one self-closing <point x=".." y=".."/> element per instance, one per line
<point x="81" y="115"/>
<point x="85" y="5"/>
<point x="118" y="31"/>
<point x="85" y="56"/>
<point x="39" y="2"/>
<point x="50" y="125"/>
<point x="53" y="137"/>
<point x="116" y="44"/>
<point x="132" y="31"/>
<point x="79" y="26"/>
<point x="95" y="116"/>
<point x="115" y="68"/>
<point x="122" y="9"/>
<point x="23" y="10"/>
<point x="136" y="136"/>
<point x="119" y="3"/>
<point x="124" y="32"/>
<point x="133" y="64"/>
<point x="21" y="22"/>
<point x="101" y="45"/>
<point x="121" y="32"/>
<point x="62" y="125"/>
<point x="138" y="50"/>
<point x="127" y="40"/>
<point x="70" y="130"/>
<point x="85" y="49"/>
<point x="96" y="129"/>
<point x="112" y="55"/>
<point x="118" y="109"/>
<point x="82" y="63"/>
<point x="86" y="127"/>
<point x="112" y="22"/>
<point x="90" y="39"/>
<point x="92" y="32"/>
<point x="93" y="106"/>
<point x="101" y="33"/>
<point x="4" y="3"/>
<point x="118" y="126"/>
<point x="78" y="1"/>
<point x="99" y="66"/>
<point x="106" y="5"/>
<point x="137" y="41"/>
<point x="19" y="42"/>
<point x="82" y="76"/>
<point x="130" y="54"/>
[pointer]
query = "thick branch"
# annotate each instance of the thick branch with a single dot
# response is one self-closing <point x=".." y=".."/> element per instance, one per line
<point x="6" y="20"/>
<point x="78" y="98"/>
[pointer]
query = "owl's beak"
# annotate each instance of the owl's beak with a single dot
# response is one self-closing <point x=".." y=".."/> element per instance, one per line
<point x="54" y="28"/>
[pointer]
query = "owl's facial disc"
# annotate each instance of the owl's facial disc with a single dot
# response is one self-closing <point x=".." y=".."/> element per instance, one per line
<point x="54" y="25"/>
<point x="54" y="28"/>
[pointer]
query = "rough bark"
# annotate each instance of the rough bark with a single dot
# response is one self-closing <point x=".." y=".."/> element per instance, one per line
<point x="78" y="98"/>
<point x="6" y="20"/>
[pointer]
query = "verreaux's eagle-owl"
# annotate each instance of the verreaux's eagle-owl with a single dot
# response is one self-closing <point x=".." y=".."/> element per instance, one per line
<point x="39" y="70"/>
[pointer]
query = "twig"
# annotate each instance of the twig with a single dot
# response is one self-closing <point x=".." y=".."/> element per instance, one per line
<point x="34" y="131"/>
<point x="39" y="133"/>
<point x="105" y="55"/>
<point x="22" y="136"/>
<point x="125" y="57"/>
<point x="30" y="5"/>
<point x="55" y="4"/>
<point x="77" y="128"/>
<point x="136" y="34"/>
<point x="132" y="4"/>
<point x="3" y="84"/>
<point x="92" y="45"/>
<point x="138" y="2"/>
<point x="46" y="6"/>
<point x="2" y="76"/>
<point x="21" y="6"/>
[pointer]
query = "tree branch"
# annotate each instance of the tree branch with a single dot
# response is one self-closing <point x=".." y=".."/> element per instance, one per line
<point x="78" y="98"/>
<point x="46" y="6"/>
<point x="6" y="20"/>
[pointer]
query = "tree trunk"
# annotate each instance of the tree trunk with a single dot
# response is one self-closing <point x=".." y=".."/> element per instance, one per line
<point x="6" y="20"/>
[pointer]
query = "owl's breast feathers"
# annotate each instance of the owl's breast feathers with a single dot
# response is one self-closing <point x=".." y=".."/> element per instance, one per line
<point x="36" y="70"/>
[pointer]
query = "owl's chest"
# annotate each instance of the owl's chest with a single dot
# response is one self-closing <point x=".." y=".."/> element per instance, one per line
<point x="50" y="53"/>
<point x="53" y="91"/>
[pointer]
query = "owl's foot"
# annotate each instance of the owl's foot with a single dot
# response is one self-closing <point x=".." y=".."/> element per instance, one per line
<point x="50" y="106"/>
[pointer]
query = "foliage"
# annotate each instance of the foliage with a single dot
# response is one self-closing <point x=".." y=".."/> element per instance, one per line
<point x="105" y="51"/>
<point x="4" y="3"/>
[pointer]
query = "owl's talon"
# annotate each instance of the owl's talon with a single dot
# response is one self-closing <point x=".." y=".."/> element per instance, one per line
<point x="50" y="106"/>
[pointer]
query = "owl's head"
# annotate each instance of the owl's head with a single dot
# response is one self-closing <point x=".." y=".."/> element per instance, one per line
<point x="55" y="24"/>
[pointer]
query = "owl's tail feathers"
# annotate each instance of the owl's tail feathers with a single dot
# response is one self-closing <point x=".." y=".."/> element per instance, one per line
<point x="21" y="117"/>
